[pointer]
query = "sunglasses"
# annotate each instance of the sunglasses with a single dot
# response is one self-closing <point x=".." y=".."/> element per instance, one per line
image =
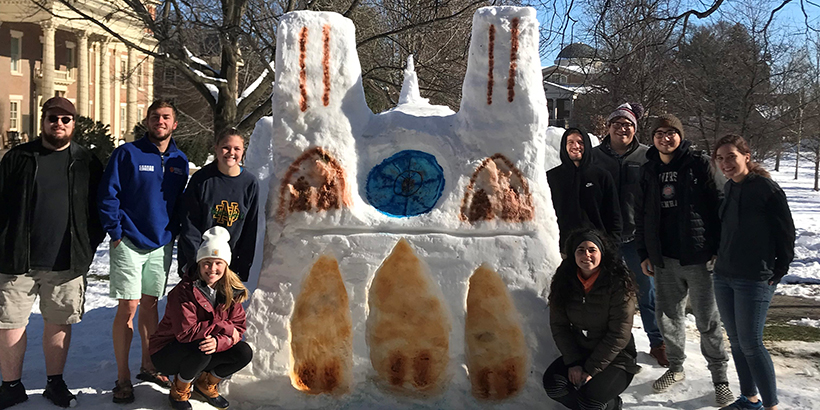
<point x="54" y="118"/>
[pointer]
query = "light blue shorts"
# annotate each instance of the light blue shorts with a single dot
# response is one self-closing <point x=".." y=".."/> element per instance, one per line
<point x="136" y="272"/>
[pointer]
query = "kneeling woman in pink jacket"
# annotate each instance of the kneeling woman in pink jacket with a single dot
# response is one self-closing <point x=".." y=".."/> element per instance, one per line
<point x="201" y="332"/>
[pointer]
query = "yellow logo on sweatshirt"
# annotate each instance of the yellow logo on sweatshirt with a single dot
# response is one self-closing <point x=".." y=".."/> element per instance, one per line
<point x="226" y="213"/>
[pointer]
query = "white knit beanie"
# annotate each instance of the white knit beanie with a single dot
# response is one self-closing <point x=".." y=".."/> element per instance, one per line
<point x="215" y="245"/>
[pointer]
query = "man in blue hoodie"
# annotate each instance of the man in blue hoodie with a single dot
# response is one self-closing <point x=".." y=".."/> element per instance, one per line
<point x="137" y="197"/>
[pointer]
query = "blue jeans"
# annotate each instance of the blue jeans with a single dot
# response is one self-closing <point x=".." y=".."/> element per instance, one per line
<point x="743" y="305"/>
<point x="646" y="293"/>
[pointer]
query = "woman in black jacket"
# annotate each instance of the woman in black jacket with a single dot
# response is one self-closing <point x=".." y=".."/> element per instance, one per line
<point x="592" y="303"/>
<point x="756" y="247"/>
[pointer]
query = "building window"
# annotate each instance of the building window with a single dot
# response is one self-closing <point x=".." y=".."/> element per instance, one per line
<point x="562" y="79"/>
<point x="123" y="72"/>
<point x="71" y="58"/>
<point x="168" y="75"/>
<point x="123" y="117"/>
<point x="14" y="115"/>
<point x="139" y="76"/>
<point x="139" y="114"/>
<point x="16" y="51"/>
<point x="563" y="109"/>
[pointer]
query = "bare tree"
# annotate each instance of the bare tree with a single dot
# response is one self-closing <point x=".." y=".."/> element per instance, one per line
<point x="244" y="41"/>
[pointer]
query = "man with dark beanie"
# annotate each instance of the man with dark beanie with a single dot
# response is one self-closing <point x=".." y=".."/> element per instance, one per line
<point x="583" y="194"/>
<point x="622" y="155"/>
<point x="677" y="233"/>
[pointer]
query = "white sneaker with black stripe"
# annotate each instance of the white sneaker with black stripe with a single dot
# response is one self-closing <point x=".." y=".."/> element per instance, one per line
<point x="667" y="380"/>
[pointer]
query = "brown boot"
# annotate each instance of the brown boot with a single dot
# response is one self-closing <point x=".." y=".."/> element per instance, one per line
<point x="207" y="385"/>
<point x="180" y="393"/>
<point x="659" y="353"/>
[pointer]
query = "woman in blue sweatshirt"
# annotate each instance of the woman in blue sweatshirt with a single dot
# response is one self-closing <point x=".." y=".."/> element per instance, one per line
<point x="222" y="193"/>
<point x="756" y="247"/>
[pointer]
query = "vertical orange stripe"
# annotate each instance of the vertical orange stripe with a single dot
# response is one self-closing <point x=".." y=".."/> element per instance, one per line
<point x="491" y="63"/>
<point x="513" y="58"/>
<point x="303" y="36"/>
<point x="326" y="63"/>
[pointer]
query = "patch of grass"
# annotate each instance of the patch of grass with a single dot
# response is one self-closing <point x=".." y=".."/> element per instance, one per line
<point x="94" y="276"/>
<point x="782" y="331"/>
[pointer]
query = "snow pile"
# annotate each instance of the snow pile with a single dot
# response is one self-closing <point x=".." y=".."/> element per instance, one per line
<point x="803" y="279"/>
<point x="462" y="189"/>
<point x="805" y="322"/>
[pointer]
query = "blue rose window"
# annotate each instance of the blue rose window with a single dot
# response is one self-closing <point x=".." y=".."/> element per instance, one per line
<point x="406" y="184"/>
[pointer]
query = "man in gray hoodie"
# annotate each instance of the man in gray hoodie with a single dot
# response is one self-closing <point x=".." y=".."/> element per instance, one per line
<point x="622" y="155"/>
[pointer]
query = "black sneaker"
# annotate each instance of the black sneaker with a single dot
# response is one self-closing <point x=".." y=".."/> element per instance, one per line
<point x="15" y="394"/>
<point x="616" y="404"/>
<point x="58" y="393"/>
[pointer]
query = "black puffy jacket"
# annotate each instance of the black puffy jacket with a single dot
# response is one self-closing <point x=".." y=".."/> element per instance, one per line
<point x="17" y="175"/>
<point x="594" y="330"/>
<point x="698" y="201"/>
<point x="761" y="245"/>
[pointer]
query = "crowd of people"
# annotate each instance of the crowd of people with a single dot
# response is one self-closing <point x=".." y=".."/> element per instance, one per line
<point x="59" y="203"/>
<point x="640" y="227"/>
<point x="679" y="238"/>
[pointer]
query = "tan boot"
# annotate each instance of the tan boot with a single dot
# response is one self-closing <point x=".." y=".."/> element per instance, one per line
<point x="207" y="385"/>
<point x="180" y="394"/>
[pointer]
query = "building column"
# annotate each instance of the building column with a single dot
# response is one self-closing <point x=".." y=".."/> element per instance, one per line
<point x="47" y="89"/>
<point x="82" y="73"/>
<point x="131" y="95"/>
<point x="95" y="62"/>
<point x="150" y="69"/>
<point x="105" y="84"/>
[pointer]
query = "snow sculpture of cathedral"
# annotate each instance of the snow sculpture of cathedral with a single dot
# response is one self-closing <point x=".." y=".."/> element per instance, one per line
<point x="407" y="253"/>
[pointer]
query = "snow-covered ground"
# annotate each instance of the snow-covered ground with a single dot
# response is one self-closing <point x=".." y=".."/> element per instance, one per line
<point x="91" y="368"/>
<point x="804" y="274"/>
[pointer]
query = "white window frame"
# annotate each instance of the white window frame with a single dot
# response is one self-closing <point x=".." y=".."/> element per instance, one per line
<point x="16" y="120"/>
<point x="123" y="119"/>
<point x="16" y="60"/>
<point x="139" y="75"/>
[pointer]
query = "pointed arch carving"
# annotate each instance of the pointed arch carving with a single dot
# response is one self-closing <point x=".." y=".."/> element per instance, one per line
<point x="497" y="189"/>
<point x="314" y="182"/>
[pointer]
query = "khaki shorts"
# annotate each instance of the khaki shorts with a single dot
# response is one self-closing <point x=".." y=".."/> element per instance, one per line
<point x="62" y="296"/>
<point x="136" y="272"/>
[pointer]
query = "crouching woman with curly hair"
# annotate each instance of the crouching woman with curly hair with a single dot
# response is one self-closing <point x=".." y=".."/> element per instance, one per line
<point x="592" y="304"/>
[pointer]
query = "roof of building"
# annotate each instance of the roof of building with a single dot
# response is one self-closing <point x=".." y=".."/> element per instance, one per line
<point x="576" y="50"/>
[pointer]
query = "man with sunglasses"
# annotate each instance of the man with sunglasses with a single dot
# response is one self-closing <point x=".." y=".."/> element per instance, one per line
<point x="622" y="155"/>
<point x="137" y="199"/>
<point x="49" y="232"/>
<point x="677" y="233"/>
